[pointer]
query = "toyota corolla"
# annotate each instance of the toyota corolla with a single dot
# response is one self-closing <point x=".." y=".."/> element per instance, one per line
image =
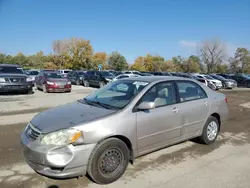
<point x="100" y="134"/>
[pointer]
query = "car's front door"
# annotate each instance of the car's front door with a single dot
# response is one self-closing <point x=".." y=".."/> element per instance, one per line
<point x="194" y="107"/>
<point x="160" y="126"/>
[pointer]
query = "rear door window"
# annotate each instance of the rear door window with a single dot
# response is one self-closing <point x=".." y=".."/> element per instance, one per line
<point x="189" y="91"/>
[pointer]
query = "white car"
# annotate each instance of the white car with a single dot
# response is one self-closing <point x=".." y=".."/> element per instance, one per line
<point x="210" y="79"/>
<point x="121" y="76"/>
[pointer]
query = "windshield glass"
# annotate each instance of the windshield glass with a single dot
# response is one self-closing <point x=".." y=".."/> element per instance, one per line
<point x="208" y="77"/>
<point x="14" y="70"/>
<point x="33" y="73"/>
<point x="81" y="73"/>
<point x="53" y="75"/>
<point x="219" y="77"/>
<point x="106" y="73"/>
<point x="117" y="94"/>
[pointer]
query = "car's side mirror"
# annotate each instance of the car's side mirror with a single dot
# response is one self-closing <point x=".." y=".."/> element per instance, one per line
<point x="146" y="106"/>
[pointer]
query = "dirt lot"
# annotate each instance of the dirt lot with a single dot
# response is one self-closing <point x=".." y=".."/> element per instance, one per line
<point x="223" y="164"/>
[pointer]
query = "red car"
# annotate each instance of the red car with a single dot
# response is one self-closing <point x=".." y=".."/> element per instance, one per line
<point x="52" y="81"/>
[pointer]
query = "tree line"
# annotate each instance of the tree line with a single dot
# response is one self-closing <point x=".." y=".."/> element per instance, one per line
<point x="78" y="54"/>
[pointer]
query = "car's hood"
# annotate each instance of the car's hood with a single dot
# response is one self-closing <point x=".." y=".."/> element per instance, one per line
<point x="109" y="77"/>
<point x="229" y="80"/>
<point x="67" y="116"/>
<point x="57" y="79"/>
<point x="12" y="75"/>
<point x="214" y="80"/>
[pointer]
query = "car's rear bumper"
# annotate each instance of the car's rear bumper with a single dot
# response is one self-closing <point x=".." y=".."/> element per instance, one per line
<point x="15" y="87"/>
<point x="56" y="162"/>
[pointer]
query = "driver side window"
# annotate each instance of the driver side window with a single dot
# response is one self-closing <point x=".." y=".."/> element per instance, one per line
<point x="161" y="94"/>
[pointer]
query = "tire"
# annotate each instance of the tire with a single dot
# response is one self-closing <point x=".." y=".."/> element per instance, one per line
<point x="224" y="86"/>
<point x="78" y="82"/>
<point x="113" y="151"/>
<point x="248" y="85"/>
<point x="44" y="89"/>
<point x="101" y="84"/>
<point x="86" y="83"/>
<point x="29" y="92"/>
<point x="211" y="124"/>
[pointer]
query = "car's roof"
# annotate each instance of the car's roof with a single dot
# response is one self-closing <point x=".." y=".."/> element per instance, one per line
<point x="10" y="65"/>
<point x="156" y="78"/>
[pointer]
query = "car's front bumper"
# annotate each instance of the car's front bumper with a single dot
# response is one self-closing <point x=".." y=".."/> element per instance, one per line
<point x="52" y="88"/>
<point x="230" y="85"/>
<point x="56" y="162"/>
<point x="15" y="87"/>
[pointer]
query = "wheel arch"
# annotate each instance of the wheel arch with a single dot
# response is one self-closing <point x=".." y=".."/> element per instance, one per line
<point x="217" y="116"/>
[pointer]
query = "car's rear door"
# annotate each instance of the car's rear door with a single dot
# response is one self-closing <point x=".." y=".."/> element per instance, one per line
<point x="194" y="107"/>
<point x="160" y="126"/>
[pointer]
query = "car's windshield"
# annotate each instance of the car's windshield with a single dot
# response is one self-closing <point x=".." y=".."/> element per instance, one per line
<point x="106" y="73"/>
<point x="81" y="73"/>
<point x="208" y="77"/>
<point x="33" y="73"/>
<point x="53" y="75"/>
<point x="117" y="94"/>
<point x="14" y="70"/>
<point x="219" y="77"/>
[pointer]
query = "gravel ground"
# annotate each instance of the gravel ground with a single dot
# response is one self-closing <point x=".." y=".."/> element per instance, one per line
<point x="222" y="164"/>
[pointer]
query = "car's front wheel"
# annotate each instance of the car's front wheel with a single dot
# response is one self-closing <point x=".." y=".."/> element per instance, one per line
<point x="86" y="83"/>
<point x="108" y="161"/>
<point x="210" y="131"/>
<point x="44" y="89"/>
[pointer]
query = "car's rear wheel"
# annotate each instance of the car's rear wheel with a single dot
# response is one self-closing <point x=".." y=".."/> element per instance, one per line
<point x="86" y="83"/>
<point x="44" y="89"/>
<point x="210" y="131"/>
<point x="101" y="84"/>
<point x="29" y="92"/>
<point x="108" y="161"/>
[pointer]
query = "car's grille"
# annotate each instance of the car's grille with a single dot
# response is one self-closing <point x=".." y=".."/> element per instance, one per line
<point x="16" y="80"/>
<point x="32" y="132"/>
<point x="60" y="83"/>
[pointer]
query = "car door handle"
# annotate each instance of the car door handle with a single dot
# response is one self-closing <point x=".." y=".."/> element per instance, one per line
<point x="175" y="110"/>
<point x="205" y="103"/>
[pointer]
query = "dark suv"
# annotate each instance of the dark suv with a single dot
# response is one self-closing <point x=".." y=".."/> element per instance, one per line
<point x="76" y="77"/>
<point x="13" y="79"/>
<point x="242" y="80"/>
<point x="97" y="78"/>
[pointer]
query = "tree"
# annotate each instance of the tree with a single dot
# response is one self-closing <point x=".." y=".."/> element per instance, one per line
<point x="212" y="54"/>
<point x="20" y="59"/>
<point x="138" y="64"/>
<point x="242" y="55"/>
<point x="100" y="58"/>
<point x="191" y="65"/>
<point x="117" y="61"/>
<point x="73" y="53"/>
<point x="221" y="68"/>
<point x="178" y="61"/>
<point x="168" y="66"/>
<point x="233" y="65"/>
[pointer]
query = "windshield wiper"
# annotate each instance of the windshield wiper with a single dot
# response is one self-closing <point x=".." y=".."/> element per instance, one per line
<point x="100" y="104"/>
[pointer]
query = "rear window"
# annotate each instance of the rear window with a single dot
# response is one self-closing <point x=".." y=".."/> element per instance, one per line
<point x="189" y="91"/>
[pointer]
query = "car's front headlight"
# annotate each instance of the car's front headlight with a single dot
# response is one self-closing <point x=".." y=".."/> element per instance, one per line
<point x="62" y="137"/>
<point x="29" y="79"/>
<point x="2" y="80"/>
<point x="108" y="79"/>
<point x="50" y="83"/>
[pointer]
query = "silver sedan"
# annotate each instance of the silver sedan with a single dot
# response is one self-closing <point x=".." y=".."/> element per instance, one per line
<point x="100" y="134"/>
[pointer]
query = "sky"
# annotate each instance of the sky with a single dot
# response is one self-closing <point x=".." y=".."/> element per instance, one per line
<point x="132" y="27"/>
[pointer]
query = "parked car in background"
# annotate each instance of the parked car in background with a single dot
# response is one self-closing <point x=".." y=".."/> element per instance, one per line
<point x="64" y="72"/>
<point x="32" y="74"/>
<point x="226" y="83"/>
<point x="133" y="72"/>
<point x="227" y="76"/>
<point x="242" y="80"/>
<point x="88" y="136"/>
<point x="97" y="78"/>
<point x="13" y="79"/>
<point x="52" y="81"/>
<point x="76" y="77"/>
<point x="115" y="73"/>
<point x="121" y="76"/>
<point x="216" y="82"/>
